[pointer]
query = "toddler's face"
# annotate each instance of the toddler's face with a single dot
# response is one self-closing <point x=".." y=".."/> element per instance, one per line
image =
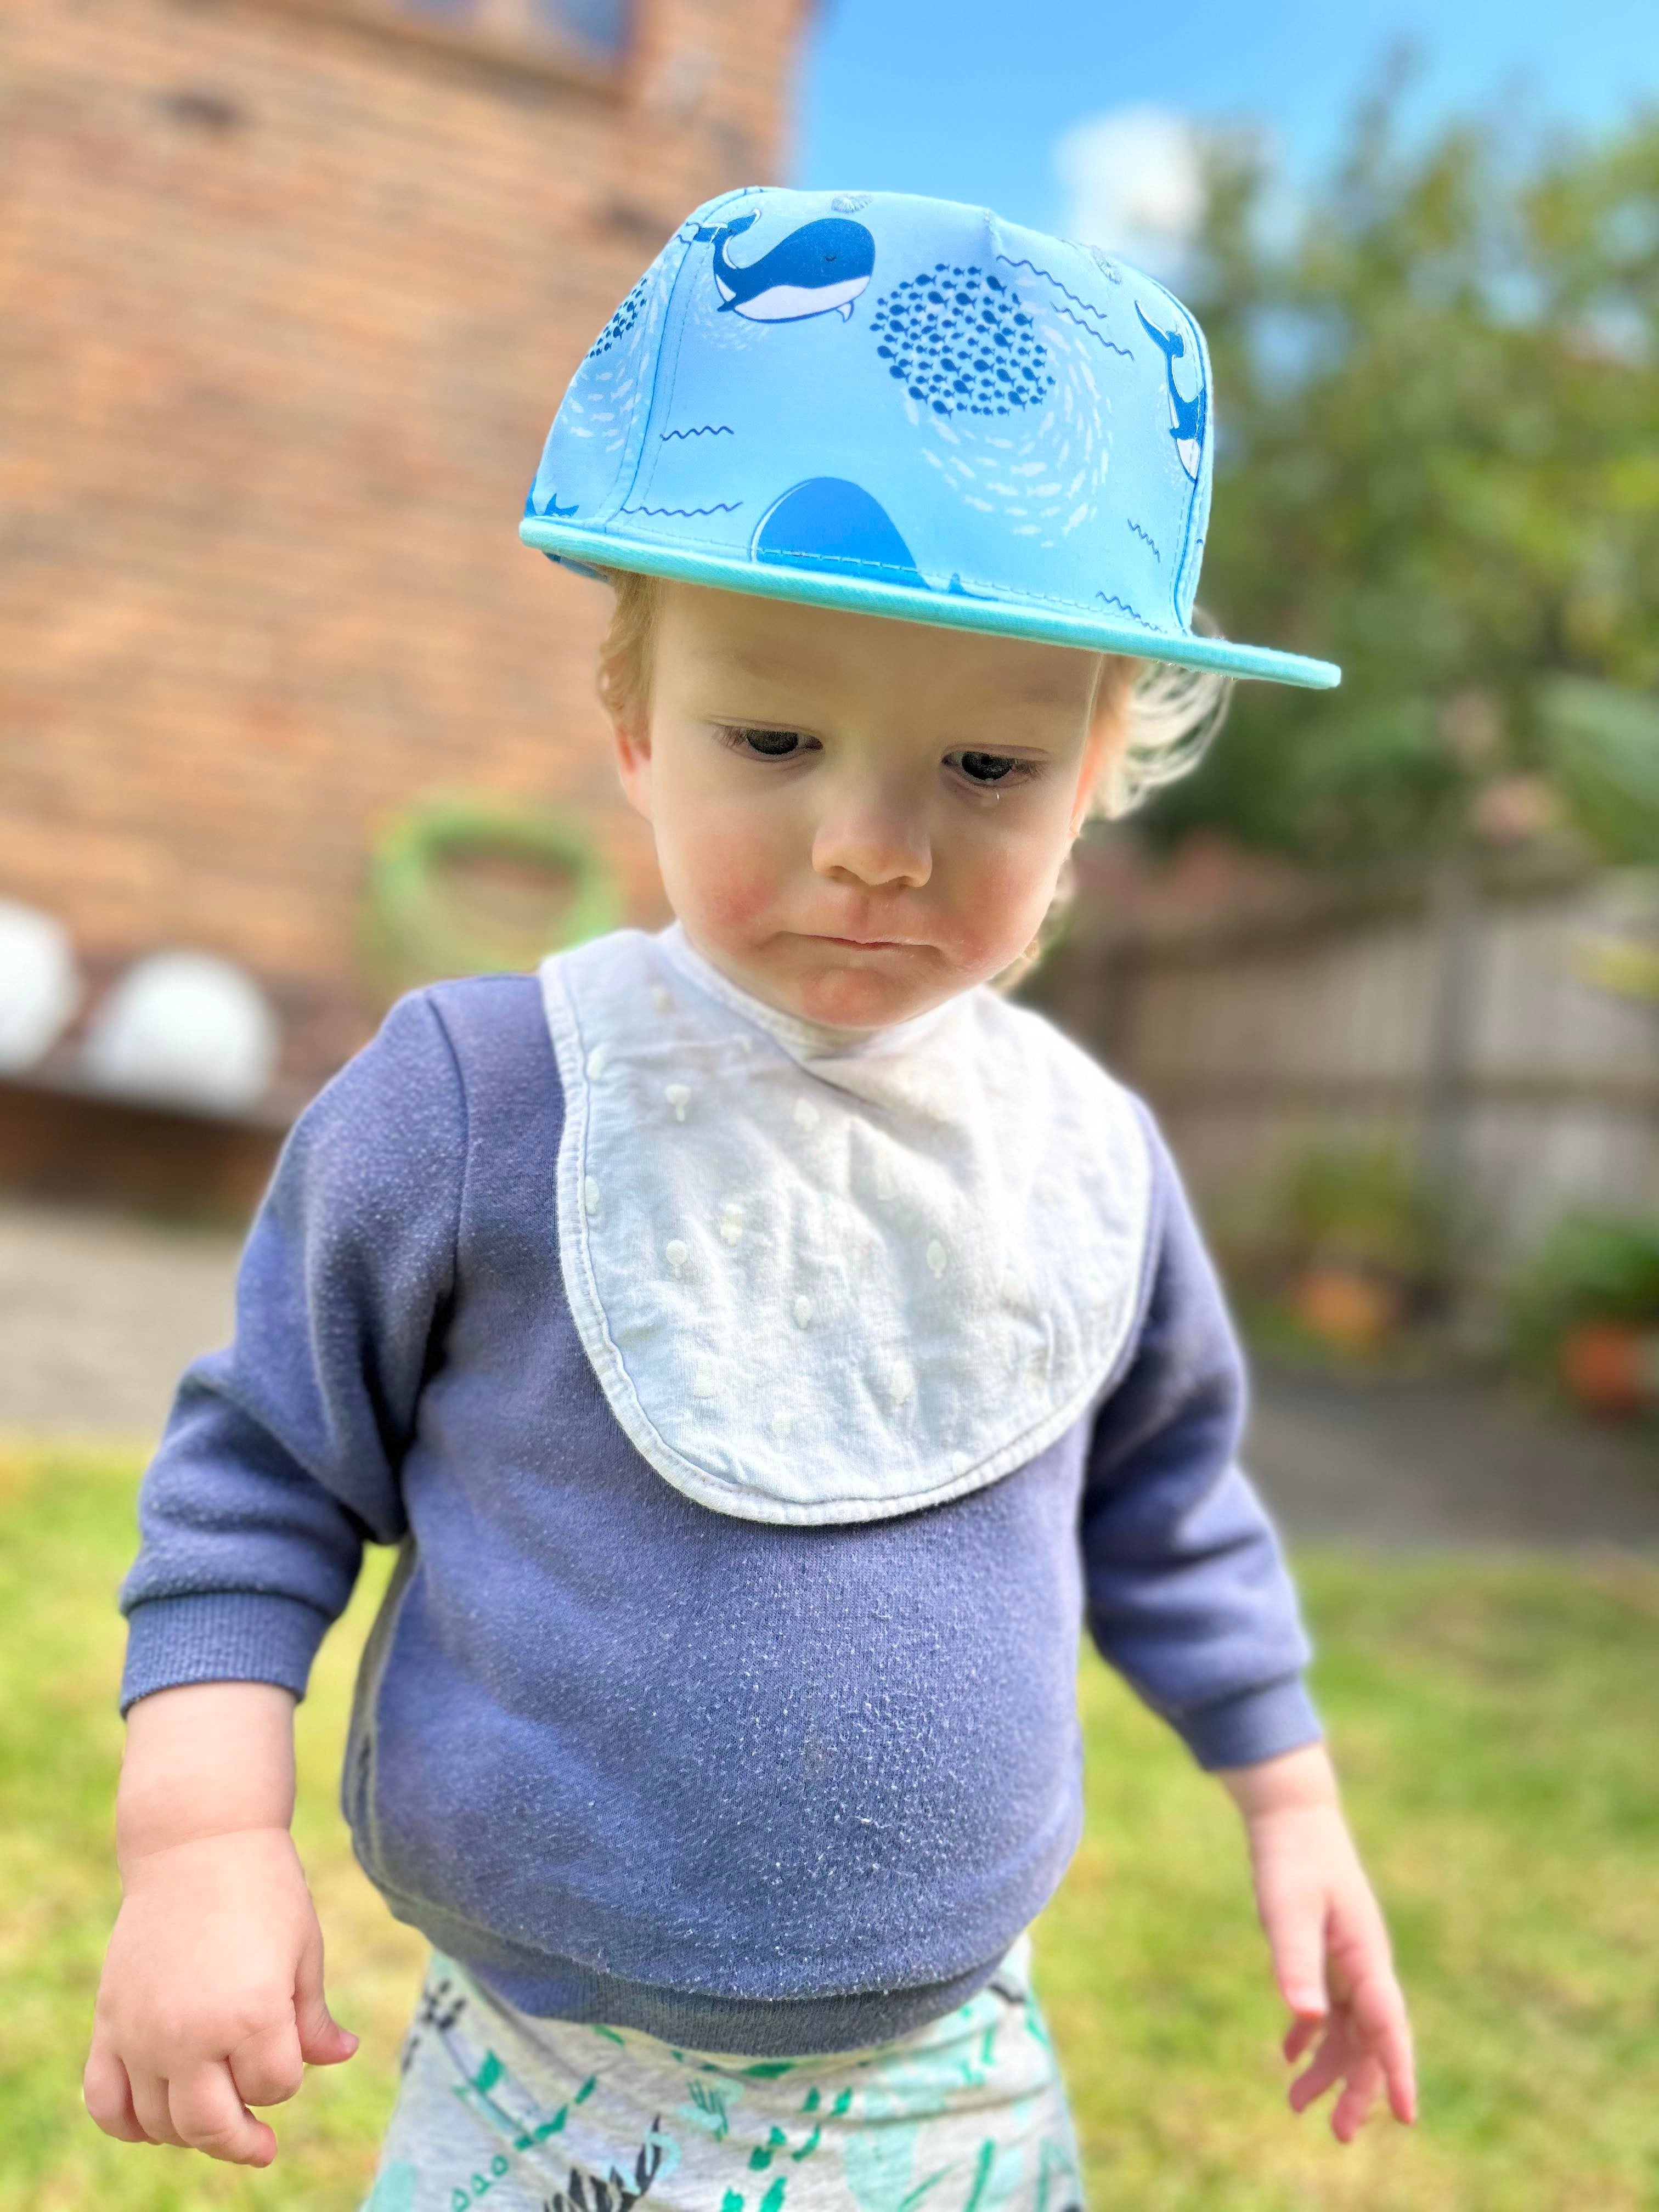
<point x="857" y="819"/>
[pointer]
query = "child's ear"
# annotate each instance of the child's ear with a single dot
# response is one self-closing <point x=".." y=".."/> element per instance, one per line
<point x="632" y="739"/>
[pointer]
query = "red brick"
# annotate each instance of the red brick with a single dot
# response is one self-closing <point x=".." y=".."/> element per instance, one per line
<point x="268" y="415"/>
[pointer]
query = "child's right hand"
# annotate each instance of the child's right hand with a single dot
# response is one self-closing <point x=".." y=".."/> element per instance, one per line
<point x="211" y="1998"/>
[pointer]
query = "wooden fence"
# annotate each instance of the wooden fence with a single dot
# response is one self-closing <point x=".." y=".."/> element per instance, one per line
<point x="1454" y="1017"/>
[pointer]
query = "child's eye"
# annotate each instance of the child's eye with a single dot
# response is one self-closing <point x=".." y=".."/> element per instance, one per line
<point x="991" y="768"/>
<point x="764" y="744"/>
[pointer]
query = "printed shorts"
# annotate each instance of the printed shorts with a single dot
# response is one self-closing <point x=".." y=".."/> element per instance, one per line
<point x="968" y="2114"/>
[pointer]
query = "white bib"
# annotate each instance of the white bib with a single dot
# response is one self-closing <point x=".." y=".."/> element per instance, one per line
<point x="828" y="1277"/>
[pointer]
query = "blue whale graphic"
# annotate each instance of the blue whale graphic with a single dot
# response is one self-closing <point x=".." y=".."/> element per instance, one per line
<point x="1186" y="417"/>
<point x="818" y="269"/>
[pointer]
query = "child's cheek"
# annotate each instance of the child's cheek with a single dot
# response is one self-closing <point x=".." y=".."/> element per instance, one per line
<point x="1001" y="895"/>
<point x="724" y="877"/>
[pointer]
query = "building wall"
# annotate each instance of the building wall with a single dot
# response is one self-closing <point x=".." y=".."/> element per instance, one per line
<point x="292" y="288"/>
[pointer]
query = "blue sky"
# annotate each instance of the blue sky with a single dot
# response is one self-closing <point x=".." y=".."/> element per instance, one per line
<point x="967" y="99"/>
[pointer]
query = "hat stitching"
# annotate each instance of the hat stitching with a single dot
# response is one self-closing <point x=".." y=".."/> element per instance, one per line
<point x="970" y="586"/>
<point x="643" y="490"/>
<point x="649" y="412"/>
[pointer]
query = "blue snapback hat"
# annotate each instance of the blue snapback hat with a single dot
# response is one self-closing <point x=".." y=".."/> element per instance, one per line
<point x="906" y="407"/>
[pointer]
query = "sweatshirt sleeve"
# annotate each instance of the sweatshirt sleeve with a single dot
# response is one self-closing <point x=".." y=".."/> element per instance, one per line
<point x="282" y="1452"/>
<point x="1187" y="1592"/>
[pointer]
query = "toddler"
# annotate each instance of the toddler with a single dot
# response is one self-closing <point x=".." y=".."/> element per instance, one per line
<point x="764" y="1344"/>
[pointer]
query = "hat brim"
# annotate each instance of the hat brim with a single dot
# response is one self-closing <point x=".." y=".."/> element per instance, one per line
<point x="588" y="550"/>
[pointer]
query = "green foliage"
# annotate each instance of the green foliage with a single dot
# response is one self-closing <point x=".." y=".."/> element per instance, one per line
<point x="1438" y="464"/>
<point x="1342" y="1203"/>
<point x="1604" y="747"/>
<point x="1363" y="1206"/>
<point x="1591" y="1267"/>
<point x="1604" y="750"/>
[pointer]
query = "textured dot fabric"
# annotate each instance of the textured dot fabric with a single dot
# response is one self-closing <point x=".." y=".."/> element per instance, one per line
<point x="825" y="1278"/>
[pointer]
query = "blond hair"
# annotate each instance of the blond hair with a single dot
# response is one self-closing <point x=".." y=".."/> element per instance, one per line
<point x="1168" y="713"/>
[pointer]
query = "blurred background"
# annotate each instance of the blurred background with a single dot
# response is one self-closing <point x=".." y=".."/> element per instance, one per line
<point x="289" y="722"/>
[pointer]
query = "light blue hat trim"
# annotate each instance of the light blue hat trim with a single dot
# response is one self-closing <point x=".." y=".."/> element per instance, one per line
<point x="586" y="551"/>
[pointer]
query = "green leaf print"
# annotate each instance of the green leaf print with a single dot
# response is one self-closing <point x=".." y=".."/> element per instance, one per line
<point x="988" y="2151"/>
<point x="761" y="2156"/>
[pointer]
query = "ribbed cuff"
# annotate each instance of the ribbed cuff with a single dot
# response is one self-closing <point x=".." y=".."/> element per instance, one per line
<point x="1257" y="1725"/>
<point x="220" y="1636"/>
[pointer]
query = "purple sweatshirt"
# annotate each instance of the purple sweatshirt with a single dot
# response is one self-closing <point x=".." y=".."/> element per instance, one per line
<point x="746" y="1787"/>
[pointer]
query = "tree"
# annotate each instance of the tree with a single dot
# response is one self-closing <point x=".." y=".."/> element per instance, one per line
<point x="1438" y="464"/>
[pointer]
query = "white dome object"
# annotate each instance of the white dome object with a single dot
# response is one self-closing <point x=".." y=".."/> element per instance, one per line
<point x="40" y="985"/>
<point x="185" y="1028"/>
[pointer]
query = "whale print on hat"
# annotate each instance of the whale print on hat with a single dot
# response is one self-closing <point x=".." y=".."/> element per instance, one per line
<point x="1186" y="416"/>
<point x="904" y="407"/>
<point x="818" y="270"/>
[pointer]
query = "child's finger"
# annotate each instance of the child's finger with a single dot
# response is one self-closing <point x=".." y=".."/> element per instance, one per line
<point x="1394" y="2050"/>
<point x="107" y="2094"/>
<point x="323" y="2041"/>
<point x="209" y="2116"/>
<point x="1294" y="1923"/>
<point x="1326" y="2067"/>
<point x="1402" y="2091"/>
<point x="267" y="2068"/>
<point x="149" y="2102"/>
<point x="1379" y="2009"/>
<point x="1359" y="2093"/>
<point x="1300" y="2036"/>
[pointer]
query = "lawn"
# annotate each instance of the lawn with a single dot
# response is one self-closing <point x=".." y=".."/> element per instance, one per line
<point x="1496" y="1725"/>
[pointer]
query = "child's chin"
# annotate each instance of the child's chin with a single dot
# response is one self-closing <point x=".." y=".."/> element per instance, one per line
<point x="865" y="993"/>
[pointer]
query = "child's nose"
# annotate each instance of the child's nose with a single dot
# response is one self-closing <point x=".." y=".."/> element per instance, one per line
<point x="878" y="844"/>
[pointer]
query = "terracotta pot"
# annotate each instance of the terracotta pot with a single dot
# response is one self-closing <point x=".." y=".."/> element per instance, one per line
<point x="1346" y="1307"/>
<point x="1611" y="1367"/>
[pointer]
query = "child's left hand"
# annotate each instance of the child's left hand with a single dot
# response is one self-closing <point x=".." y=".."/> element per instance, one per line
<point x="1329" y="1946"/>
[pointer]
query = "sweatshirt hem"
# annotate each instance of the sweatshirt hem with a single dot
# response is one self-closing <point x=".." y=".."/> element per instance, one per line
<point x="549" y="1987"/>
<point x="1255" y="1724"/>
<point x="220" y="1636"/>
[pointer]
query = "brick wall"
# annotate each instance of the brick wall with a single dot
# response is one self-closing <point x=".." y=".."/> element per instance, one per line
<point x="292" y="290"/>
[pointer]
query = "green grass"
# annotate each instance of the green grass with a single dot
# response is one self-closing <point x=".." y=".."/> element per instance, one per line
<point x="1495" y="1724"/>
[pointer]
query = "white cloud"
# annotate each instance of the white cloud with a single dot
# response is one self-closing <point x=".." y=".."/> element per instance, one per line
<point x="1132" y="181"/>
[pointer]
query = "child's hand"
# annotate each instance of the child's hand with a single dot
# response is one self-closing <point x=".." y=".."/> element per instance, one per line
<point x="1329" y="1946"/>
<point x="211" y="1998"/>
<point x="212" y="1994"/>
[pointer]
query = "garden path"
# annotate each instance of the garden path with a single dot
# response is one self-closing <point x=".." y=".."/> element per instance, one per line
<point x="99" y="1312"/>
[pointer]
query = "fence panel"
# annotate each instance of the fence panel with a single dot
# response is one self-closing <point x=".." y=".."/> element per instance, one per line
<point x="1456" y="1017"/>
